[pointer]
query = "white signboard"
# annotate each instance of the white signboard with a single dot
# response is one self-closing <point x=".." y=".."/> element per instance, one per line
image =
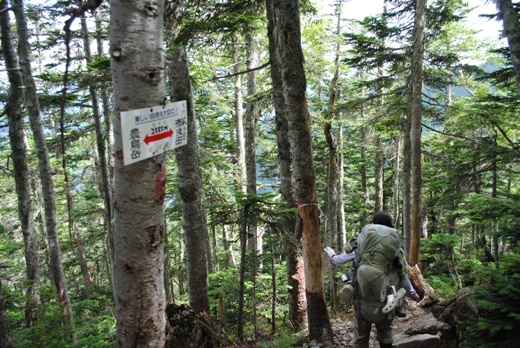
<point x="153" y="130"/>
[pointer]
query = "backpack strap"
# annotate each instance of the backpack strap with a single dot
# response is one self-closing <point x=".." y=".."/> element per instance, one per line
<point x="376" y="258"/>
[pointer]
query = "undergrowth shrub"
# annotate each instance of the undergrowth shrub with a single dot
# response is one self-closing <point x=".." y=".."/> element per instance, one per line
<point x="223" y="294"/>
<point x="498" y="302"/>
<point x="440" y="257"/>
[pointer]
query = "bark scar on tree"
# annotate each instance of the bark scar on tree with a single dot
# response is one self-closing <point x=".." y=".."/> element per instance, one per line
<point x="152" y="75"/>
<point x="117" y="53"/>
<point x="128" y="268"/>
<point x="151" y="9"/>
<point x="156" y="234"/>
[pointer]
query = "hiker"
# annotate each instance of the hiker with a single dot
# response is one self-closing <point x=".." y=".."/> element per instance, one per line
<point x="378" y="267"/>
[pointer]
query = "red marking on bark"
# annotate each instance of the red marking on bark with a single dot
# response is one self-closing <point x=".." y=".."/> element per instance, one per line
<point x="160" y="186"/>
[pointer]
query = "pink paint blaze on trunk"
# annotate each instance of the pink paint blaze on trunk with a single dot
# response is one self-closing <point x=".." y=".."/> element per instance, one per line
<point x="160" y="186"/>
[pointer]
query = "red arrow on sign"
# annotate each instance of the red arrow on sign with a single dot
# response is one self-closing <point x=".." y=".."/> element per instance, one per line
<point x="150" y="138"/>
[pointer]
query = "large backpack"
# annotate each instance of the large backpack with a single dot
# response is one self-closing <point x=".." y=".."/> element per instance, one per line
<point x="375" y="270"/>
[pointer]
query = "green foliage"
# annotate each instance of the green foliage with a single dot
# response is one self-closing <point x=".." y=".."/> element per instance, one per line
<point x="48" y="329"/>
<point x="99" y="64"/>
<point x="262" y="209"/>
<point x="214" y="17"/>
<point x="441" y="262"/>
<point x="504" y="212"/>
<point x="438" y="244"/>
<point x="498" y="301"/>
<point x="443" y="285"/>
<point x="471" y="269"/>
<point x="224" y="285"/>
<point x="94" y="321"/>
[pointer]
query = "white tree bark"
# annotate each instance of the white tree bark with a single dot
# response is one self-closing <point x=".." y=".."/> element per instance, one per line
<point x="103" y="166"/>
<point x="44" y="165"/>
<point x="18" y="141"/>
<point x="239" y="111"/>
<point x="138" y="76"/>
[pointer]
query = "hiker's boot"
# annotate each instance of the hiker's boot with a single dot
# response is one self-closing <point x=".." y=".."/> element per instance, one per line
<point x="346" y="292"/>
<point x="385" y="345"/>
<point x="400" y="312"/>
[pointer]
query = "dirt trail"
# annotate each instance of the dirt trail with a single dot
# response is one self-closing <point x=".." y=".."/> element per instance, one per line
<point x="343" y="328"/>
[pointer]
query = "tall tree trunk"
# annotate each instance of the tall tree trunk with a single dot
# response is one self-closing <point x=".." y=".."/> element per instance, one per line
<point x="251" y="117"/>
<point x="106" y="106"/>
<point x="210" y="261"/>
<point x="137" y="64"/>
<point x="190" y="178"/>
<point x="363" y="139"/>
<point x="297" y="300"/>
<point x="44" y="164"/>
<point x="18" y="140"/>
<point x="228" y="247"/>
<point x="214" y="249"/>
<point x="6" y="340"/>
<point x="105" y="175"/>
<point x="285" y="35"/>
<point x="509" y="16"/>
<point x="331" y="217"/>
<point x="102" y="162"/>
<point x="181" y="275"/>
<point x="82" y="260"/>
<point x="416" y="114"/>
<point x="239" y="116"/>
<point x="482" y="240"/>
<point x="494" y="225"/>
<point x="397" y="174"/>
<point x="342" y="231"/>
<point x="242" y="183"/>
<point x="190" y="188"/>
<point x="168" y="288"/>
<point x="242" y="274"/>
<point x="379" y="160"/>
<point x="407" y="174"/>
<point x="273" y="281"/>
<point x="109" y="133"/>
<point x="416" y="168"/>
<point x="378" y="172"/>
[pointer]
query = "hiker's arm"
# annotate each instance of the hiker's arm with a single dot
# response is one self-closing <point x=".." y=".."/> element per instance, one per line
<point x="342" y="258"/>
<point x="410" y="291"/>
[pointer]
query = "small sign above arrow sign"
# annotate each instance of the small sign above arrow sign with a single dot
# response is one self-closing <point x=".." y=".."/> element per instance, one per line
<point x="151" y="131"/>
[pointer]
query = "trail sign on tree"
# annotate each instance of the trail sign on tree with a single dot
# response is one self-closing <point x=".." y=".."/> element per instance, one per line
<point x="150" y="131"/>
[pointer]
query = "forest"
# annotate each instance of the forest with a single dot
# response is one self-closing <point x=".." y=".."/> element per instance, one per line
<point x="294" y="123"/>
